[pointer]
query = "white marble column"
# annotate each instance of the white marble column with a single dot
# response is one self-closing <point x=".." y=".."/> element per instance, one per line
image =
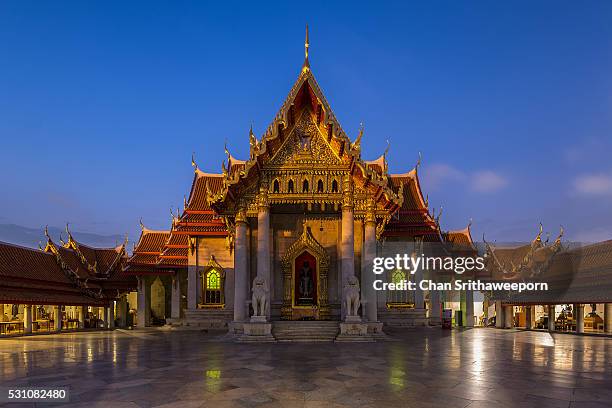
<point x="240" y="267"/>
<point x="122" y="311"/>
<point x="57" y="318"/>
<point x="529" y="317"/>
<point x="368" y="255"/>
<point x="508" y="317"/>
<point x="608" y="318"/>
<point x="27" y="319"/>
<point x="192" y="281"/>
<point x="435" y="318"/>
<point x="551" y="318"/>
<point x="263" y="240"/>
<point x="111" y="316"/>
<point x="82" y="314"/>
<point x="175" y="297"/>
<point x="105" y="311"/>
<point x="347" y="244"/>
<point x="499" y="314"/>
<point x="579" y="316"/>
<point x="469" y="308"/>
<point x="419" y="296"/>
<point x="142" y="313"/>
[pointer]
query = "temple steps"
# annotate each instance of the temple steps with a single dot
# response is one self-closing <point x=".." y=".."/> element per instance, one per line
<point x="305" y="331"/>
<point x="403" y="317"/>
<point x="207" y="318"/>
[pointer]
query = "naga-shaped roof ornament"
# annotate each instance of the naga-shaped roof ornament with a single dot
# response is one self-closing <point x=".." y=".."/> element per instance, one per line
<point x="193" y="162"/>
<point x="438" y="217"/>
<point x="385" y="163"/>
<point x="252" y="144"/>
<point x="356" y="145"/>
<point x="538" y="238"/>
<point x="227" y="153"/>
<point x="224" y="169"/>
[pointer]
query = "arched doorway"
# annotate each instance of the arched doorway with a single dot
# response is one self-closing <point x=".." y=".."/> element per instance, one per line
<point x="305" y="290"/>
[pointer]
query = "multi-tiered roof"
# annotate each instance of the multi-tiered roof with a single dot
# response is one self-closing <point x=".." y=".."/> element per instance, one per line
<point x="401" y="208"/>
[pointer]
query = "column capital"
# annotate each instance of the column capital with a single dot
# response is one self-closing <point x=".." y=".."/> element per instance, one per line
<point x="241" y="215"/>
<point x="347" y="192"/>
<point x="370" y="216"/>
<point x="262" y="198"/>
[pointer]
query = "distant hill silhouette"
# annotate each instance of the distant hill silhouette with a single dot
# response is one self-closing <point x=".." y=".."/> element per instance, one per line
<point x="31" y="237"/>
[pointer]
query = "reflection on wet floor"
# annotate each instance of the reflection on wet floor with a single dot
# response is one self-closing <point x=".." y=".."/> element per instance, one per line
<point x="425" y="368"/>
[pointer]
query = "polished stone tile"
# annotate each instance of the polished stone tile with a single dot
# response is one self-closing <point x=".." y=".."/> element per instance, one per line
<point x="423" y="368"/>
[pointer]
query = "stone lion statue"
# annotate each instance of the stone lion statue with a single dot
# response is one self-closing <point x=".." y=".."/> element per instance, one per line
<point x="351" y="296"/>
<point x="260" y="296"/>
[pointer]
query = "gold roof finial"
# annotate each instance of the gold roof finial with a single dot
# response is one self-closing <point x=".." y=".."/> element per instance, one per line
<point x="193" y="162"/>
<point x="360" y="135"/>
<point x="306" y="65"/>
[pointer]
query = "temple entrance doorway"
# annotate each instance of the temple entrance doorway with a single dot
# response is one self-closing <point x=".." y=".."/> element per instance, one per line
<point x="305" y="289"/>
<point x="305" y="280"/>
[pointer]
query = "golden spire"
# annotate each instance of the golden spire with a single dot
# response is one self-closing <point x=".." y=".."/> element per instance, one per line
<point x="306" y="65"/>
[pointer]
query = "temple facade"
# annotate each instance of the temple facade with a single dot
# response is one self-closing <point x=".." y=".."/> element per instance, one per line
<point x="280" y="246"/>
<point x="298" y="222"/>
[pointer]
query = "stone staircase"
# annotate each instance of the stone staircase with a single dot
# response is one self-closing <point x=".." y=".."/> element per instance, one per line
<point x="403" y="317"/>
<point x="305" y="331"/>
<point x="207" y="318"/>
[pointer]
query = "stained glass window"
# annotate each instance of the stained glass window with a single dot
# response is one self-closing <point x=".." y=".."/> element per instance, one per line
<point x="399" y="298"/>
<point x="213" y="280"/>
<point x="398" y="276"/>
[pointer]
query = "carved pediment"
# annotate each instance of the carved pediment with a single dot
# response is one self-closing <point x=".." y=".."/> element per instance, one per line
<point x="305" y="145"/>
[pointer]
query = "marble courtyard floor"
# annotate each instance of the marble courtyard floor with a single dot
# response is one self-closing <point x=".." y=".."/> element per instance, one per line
<point x="424" y="368"/>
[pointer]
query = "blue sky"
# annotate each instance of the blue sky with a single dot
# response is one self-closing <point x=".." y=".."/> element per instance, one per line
<point x="102" y="103"/>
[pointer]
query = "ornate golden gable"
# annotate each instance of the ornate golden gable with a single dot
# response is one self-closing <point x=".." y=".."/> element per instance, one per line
<point x="305" y="146"/>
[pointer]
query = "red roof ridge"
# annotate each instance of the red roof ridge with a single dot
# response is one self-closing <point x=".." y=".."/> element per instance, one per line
<point x="412" y="174"/>
<point x="22" y="247"/>
<point x="235" y="160"/>
<point x="380" y="161"/>
<point x="201" y="173"/>
<point x="146" y="230"/>
<point x="466" y="232"/>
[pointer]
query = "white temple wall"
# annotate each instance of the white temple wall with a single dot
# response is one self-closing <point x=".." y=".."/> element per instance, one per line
<point x="217" y="246"/>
